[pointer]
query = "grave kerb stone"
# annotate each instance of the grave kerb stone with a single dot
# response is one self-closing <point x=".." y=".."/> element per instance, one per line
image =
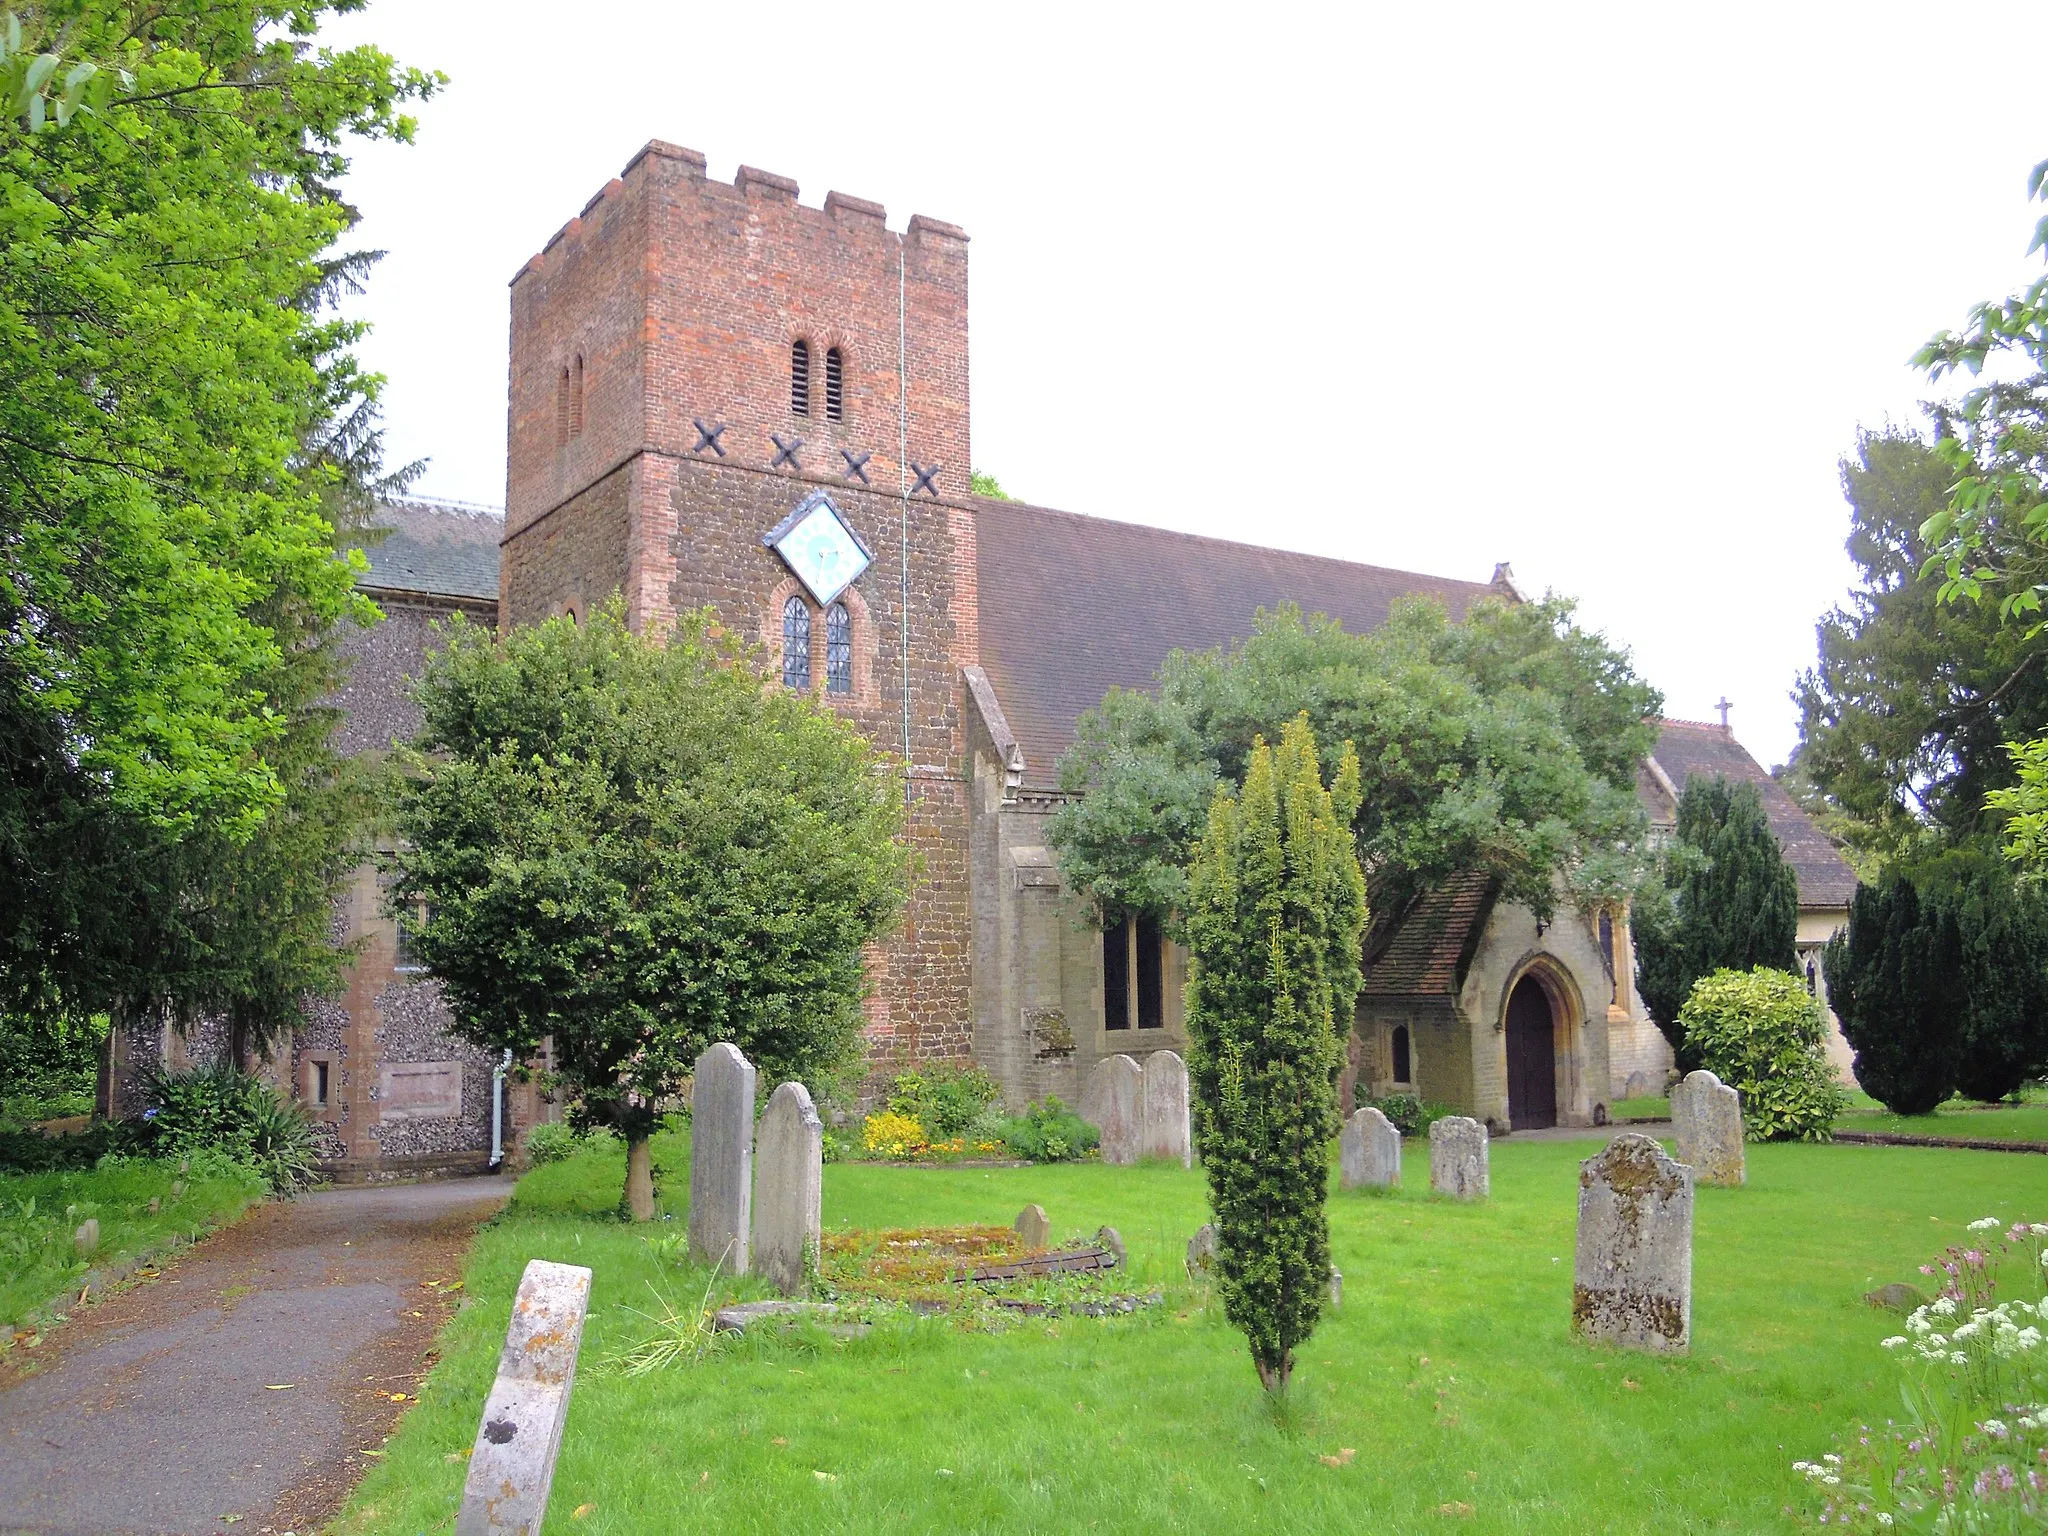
<point x="520" y="1435"/>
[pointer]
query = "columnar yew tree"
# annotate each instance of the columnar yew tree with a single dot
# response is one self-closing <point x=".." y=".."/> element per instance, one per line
<point x="1732" y="903"/>
<point x="637" y="849"/>
<point x="1276" y="908"/>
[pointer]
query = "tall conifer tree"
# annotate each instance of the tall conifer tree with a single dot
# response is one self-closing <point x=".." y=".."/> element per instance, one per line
<point x="1733" y="903"/>
<point x="1277" y="909"/>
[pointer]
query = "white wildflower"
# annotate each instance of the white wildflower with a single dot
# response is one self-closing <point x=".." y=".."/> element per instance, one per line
<point x="1894" y="1341"/>
<point x="1995" y="1428"/>
<point x="1957" y="1357"/>
<point x="1986" y="1224"/>
<point x="1942" y="1306"/>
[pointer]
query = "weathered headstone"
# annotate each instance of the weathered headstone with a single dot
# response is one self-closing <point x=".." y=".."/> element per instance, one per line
<point x="1336" y="1286"/>
<point x="1114" y="1106"/>
<point x="1202" y="1252"/>
<point x="86" y="1240"/>
<point x="1033" y="1226"/>
<point x="1706" y="1122"/>
<point x="1632" y="1280"/>
<point x="721" y="1157"/>
<point x="1113" y="1240"/>
<point x="1165" y="1106"/>
<point x="1637" y="1086"/>
<point x="1457" y="1157"/>
<point x="1369" y="1150"/>
<point x="513" y="1463"/>
<point x="789" y="1182"/>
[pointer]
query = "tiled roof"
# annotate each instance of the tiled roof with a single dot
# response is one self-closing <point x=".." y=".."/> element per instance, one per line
<point x="1071" y="606"/>
<point x="440" y="548"/>
<point x="1434" y="939"/>
<point x="1689" y="747"/>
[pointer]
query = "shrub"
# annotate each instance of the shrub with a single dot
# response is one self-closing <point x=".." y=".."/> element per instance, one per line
<point x="33" y="1152"/>
<point x="1049" y="1132"/>
<point x="946" y="1100"/>
<point x="1408" y="1114"/>
<point x="886" y="1133"/>
<point x="226" y="1109"/>
<point x="551" y="1142"/>
<point x="1760" y="1032"/>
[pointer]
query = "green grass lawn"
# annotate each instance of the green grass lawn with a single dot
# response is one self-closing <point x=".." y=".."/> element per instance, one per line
<point x="39" y="1212"/>
<point x="2001" y="1122"/>
<point x="1449" y="1370"/>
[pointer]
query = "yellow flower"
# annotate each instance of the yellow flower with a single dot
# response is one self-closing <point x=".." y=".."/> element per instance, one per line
<point x="888" y="1134"/>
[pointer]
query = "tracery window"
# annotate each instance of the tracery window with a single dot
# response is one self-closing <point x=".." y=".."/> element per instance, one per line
<point x="796" y="644"/>
<point x="838" y="649"/>
<point x="800" y="377"/>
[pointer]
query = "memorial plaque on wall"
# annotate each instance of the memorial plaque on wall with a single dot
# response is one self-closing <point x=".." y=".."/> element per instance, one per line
<point x="420" y="1090"/>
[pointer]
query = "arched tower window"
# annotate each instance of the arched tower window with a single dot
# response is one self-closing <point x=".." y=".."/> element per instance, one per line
<point x="796" y="644"/>
<point x="562" y="409"/>
<point x="835" y="385"/>
<point x="838" y="649"/>
<point x="1403" y="1068"/>
<point x="800" y="377"/>
<point x="576" y="398"/>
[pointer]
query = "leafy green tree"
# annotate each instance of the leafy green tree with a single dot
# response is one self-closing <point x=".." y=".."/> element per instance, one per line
<point x="983" y="483"/>
<point x="1907" y="716"/>
<point x="1763" y="1034"/>
<point x="1276" y="910"/>
<point x="1894" y="981"/>
<point x="1506" y="744"/>
<point x="638" y="850"/>
<point x="1730" y="902"/>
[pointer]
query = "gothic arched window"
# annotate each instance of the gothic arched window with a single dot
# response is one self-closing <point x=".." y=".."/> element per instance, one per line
<point x="835" y="385"/>
<point x="800" y="377"/>
<point x="838" y="649"/>
<point x="796" y="644"/>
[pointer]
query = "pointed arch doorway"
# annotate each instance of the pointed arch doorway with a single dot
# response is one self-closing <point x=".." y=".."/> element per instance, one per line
<point x="1532" y="1057"/>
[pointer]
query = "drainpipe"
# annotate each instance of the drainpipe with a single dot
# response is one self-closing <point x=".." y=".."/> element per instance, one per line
<point x="498" y="1110"/>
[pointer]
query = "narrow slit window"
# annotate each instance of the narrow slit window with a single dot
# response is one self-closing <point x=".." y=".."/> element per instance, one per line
<point x="406" y="956"/>
<point x="800" y="378"/>
<point x="1403" y="1070"/>
<point x="796" y="644"/>
<point x="317" y="1087"/>
<point x="576" y="398"/>
<point x="838" y="649"/>
<point x="835" y="385"/>
<point x="1116" y="976"/>
<point x="562" y="409"/>
<point x="1151" y="967"/>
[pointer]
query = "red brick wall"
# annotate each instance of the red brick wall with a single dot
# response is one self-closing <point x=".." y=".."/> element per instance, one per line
<point x="683" y="296"/>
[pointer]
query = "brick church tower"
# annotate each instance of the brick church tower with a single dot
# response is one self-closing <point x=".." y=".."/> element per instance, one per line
<point x="719" y="396"/>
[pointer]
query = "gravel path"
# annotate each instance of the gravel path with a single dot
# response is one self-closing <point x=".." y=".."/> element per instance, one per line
<point x="240" y="1390"/>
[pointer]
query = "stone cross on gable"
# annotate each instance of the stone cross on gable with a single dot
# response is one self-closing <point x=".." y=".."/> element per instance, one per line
<point x="1724" y="706"/>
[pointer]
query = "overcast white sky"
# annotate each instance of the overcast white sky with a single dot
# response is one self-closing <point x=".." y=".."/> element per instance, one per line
<point x="1601" y="291"/>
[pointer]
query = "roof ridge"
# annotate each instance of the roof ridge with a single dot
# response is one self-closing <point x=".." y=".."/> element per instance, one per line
<point x="445" y="504"/>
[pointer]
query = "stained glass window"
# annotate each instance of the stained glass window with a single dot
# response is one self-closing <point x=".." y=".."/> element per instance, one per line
<point x="838" y="649"/>
<point x="796" y="644"/>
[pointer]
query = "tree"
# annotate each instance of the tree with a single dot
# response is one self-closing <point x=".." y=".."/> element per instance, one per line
<point x="1276" y="910"/>
<point x="1762" y="1033"/>
<point x="636" y="849"/>
<point x="1893" y="978"/>
<point x="982" y="483"/>
<point x="1507" y="744"/>
<point x="1729" y="902"/>
<point x="1906" y="718"/>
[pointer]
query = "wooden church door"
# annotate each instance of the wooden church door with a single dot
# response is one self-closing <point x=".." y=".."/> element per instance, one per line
<point x="1532" y="1057"/>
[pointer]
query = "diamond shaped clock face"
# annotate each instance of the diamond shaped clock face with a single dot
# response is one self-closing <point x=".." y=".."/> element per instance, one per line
<point x="815" y="543"/>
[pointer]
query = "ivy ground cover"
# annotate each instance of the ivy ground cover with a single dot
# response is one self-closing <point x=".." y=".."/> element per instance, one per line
<point x="1446" y="1393"/>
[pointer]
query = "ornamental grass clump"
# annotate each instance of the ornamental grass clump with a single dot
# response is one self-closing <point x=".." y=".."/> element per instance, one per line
<point x="1972" y="1452"/>
<point x="1276" y="907"/>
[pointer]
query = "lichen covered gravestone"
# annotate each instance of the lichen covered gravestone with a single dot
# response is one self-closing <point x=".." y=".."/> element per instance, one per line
<point x="1034" y="1226"/>
<point x="789" y="1175"/>
<point x="1706" y="1122"/>
<point x="1457" y="1157"/>
<point x="1632" y="1279"/>
<point x="1201" y="1259"/>
<point x="1113" y="1105"/>
<point x="513" y="1463"/>
<point x="1370" y="1150"/>
<point x="1164" y="1101"/>
<point x="721" y="1157"/>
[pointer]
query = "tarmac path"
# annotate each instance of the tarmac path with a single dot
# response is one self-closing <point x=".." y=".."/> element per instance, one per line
<point x="239" y="1390"/>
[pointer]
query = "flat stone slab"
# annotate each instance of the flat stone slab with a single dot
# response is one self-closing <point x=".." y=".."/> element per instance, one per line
<point x="1632" y="1275"/>
<point x="1066" y="1262"/>
<point x="512" y="1467"/>
<point x="737" y="1319"/>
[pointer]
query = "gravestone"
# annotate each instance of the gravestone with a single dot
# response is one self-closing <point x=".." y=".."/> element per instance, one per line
<point x="520" y="1435"/>
<point x="789" y="1180"/>
<point x="1113" y="1105"/>
<point x="1632" y="1280"/>
<point x="721" y="1157"/>
<point x="1457" y="1157"/>
<point x="1370" y="1150"/>
<point x="1706" y="1122"/>
<point x="1112" y="1240"/>
<point x="1165" y="1108"/>
<point x="1202" y="1252"/>
<point x="1033" y="1226"/>
<point x="86" y="1240"/>
<point x="1336" y="1286"/>
<point x="1637" y="1086"/>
